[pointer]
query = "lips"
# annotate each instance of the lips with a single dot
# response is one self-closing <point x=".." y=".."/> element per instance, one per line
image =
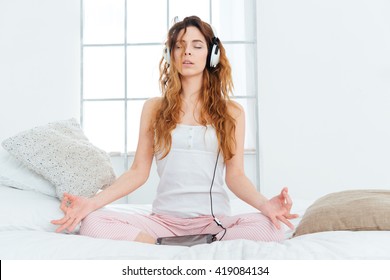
<point x="187" y="62"/>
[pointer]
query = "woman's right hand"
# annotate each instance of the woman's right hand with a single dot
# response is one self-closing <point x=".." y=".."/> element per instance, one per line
<point x="75" y="209"/>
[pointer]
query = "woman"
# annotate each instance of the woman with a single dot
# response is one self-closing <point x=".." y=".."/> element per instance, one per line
<point x="195" y="132"/>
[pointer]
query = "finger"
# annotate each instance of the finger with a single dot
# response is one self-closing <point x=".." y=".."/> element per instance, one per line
<point x="283" y="194"/>
<point x="56" y="222"/>
<point x="291" y="216"/>
<point x="73" y="225"/>
<point x="69" y="196"/>
<point x="286" y="222"/>
<point x="288" y="202"/>
<point x="64" y="205"/>
<point x="61" y="228"/>
<point x="60" y="221"/>
<point x="67" y="199"/>
<point x="65" y="194"/>
<point x="287" y="198"/>
<point x="67" y="202"/>
<point x="66" y="224"/>
<point x="275" y="222"/>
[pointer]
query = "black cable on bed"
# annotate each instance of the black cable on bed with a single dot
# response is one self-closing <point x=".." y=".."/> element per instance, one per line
<point x="218" y="222"/>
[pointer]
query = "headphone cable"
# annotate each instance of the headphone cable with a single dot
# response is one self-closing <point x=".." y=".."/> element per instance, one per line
<point x="218" y="222"/>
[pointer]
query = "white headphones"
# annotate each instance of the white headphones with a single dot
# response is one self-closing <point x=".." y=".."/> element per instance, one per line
<point x="214" y="54"/>
<point x="212" y="57"/>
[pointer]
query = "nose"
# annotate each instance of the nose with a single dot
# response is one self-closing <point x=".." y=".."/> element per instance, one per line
<point x="187" y="51"/>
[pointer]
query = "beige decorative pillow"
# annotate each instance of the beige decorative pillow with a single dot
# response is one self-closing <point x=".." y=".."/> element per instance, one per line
<point x="347" y="210"/>
<point x="62" y="154"/>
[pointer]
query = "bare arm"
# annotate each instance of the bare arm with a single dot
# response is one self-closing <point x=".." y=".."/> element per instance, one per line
<point x="278" y="208"/>
<point x="236" y="179"/>
<point x="139" y="171"/>
<point x="76" y="208"/>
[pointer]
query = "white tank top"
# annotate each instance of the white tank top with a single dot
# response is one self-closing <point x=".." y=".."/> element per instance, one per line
<point x="186" y="174"/>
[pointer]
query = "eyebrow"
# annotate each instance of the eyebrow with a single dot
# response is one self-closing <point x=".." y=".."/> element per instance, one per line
<point x="193" y="41"/>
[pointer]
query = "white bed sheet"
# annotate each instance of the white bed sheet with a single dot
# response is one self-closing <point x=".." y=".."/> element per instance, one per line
<point x="40" y="244"/>
<point x="326" y="246"/>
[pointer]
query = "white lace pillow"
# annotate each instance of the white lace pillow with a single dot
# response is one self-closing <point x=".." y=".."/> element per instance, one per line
<point x="62" y="154"/>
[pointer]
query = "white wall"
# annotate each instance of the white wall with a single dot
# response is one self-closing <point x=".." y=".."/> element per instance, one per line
<point x="324" y="84"/>
<point x="39" y="63"/>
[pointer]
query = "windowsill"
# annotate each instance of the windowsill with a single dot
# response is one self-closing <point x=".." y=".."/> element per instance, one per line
<point x="132" y="154"/>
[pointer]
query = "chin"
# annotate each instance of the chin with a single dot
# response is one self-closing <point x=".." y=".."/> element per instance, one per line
<point x="190" y="73"/>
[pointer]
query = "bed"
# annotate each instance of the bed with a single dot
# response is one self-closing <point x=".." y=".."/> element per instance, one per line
<point x="351" y="224"/>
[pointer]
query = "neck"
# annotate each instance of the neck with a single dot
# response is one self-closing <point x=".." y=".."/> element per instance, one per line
<point x="191" y="87"/>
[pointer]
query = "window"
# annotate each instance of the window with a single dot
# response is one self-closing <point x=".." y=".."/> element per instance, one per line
<point x="121" y="46"/>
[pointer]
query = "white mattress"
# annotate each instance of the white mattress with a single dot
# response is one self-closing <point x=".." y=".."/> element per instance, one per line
<point x="37" y="241"/>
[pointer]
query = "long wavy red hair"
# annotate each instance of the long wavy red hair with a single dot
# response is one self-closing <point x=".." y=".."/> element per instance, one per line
<point x="216" y="88"/>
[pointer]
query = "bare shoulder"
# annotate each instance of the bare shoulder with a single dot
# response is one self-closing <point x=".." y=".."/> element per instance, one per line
<point x="235" y="109"/>
<point x="153" y="103"/>
<point x="149" y="111"/>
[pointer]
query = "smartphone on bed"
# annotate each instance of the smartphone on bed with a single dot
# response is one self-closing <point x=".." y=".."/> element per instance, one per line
<point x="186" y="240"/>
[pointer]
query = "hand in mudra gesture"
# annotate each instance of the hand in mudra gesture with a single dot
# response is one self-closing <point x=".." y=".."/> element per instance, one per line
<point x="278" y="209"/>
<point x="75" y="209"/>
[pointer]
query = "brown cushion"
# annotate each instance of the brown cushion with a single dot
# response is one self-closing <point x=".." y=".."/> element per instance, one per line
<point x="347" y="210"/>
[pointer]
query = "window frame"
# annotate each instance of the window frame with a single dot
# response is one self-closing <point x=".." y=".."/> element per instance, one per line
<point x="126" y="155"/>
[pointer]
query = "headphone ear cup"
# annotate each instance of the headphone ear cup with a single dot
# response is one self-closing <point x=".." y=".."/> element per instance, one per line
<point x="214" y="56"/>
<point x="167" y="55"/>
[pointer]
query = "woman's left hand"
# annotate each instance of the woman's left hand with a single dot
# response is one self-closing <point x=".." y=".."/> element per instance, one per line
<point x="278" y="209"/>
